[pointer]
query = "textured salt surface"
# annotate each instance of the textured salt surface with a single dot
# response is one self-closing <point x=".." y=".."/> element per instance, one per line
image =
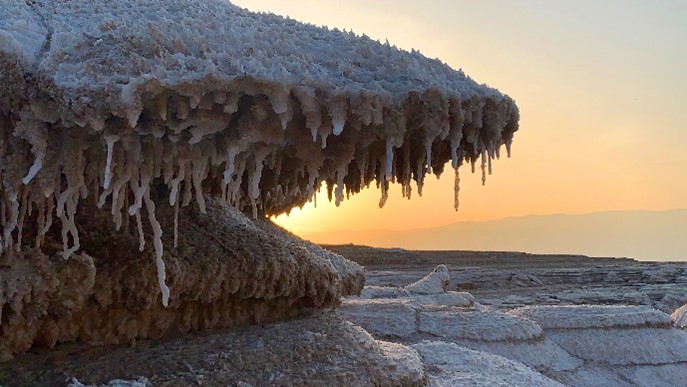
<point x="228" y="270"/>
<point x="138" y="105"/>
<point x="317" y="350"/>
<point x="136" y="109"/>
<point x="452" y="365"/>
<point x="577" y="345"/>
<point x="204" y="97"/>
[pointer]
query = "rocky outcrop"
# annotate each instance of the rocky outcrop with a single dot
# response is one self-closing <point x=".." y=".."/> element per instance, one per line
<point x="319" y="350"/>
<point x="133" y="134"/>
<point x="454" y="317"/>
<point x="679" y="317"/>
<point x="617" y="343"/>
<point x="577" y="345"/>
<point x="227" y="270"/>
<point x="451" y="365"/>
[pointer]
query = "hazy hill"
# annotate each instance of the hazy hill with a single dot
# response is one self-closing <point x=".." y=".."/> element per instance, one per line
<point x="646" y="235"/>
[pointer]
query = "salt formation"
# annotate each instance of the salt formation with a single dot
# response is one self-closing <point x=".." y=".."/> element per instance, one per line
<point x="452" y="365"/>
<point x="136" y="109"/>
<point x="317" y="350"/>
<point x="435" y="282"/>
<point x="228" y="270"/>
<point x="454" y="317"/>
<point x="680" y="317"/>
<point x="619" y="344"/>
<point x="577" y="345"/>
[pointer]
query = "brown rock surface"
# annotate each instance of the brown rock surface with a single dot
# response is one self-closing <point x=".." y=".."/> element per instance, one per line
<point x="318" y="350"/>
<point x="227" y="270"/>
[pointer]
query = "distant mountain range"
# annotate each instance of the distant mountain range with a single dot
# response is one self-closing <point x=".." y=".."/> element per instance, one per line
<point x="644" y="235"/>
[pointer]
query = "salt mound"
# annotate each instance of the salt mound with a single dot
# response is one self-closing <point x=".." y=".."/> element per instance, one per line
<point x="454" y="317"/>
<point x="435" y="282"/>
<point x="319" y="350"/>
<point x="616" y="335"/>
<point x="679" y="317"/>
<point x="452" y="365"/>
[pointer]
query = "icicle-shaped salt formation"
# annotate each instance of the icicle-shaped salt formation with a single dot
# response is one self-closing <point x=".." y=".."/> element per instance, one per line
<point x="110" y="140"/>
<point x="157" y="242"/>
<point x="456" y="190"/>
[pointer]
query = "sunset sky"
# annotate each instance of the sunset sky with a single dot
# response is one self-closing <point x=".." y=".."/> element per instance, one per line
<point x="602" y="91"/>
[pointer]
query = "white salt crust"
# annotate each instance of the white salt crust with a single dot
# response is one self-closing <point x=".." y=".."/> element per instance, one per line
<point x="113" y="100"/>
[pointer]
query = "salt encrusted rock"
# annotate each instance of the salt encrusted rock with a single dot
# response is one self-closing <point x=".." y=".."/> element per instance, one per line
<point x="383" y="292"/>
<point x="679" y="317"/>
<point x="514" y="337"/>
<point x="435" y="282"/>
<point x="454" y="317"/>
<point x="115" y="98"/>
<point x="451" y="365"/>
<point x="34" y="292"/>
<point x="673" y="299"/>
<point x="140" y="382"/>
<point x="594" y="316"/>
<point x="385" y="318"/>
<point x="319" y="350"/>
<point x="625" y="376"/>
<point x="526" y="280"/>
<point x="616" y="335"/>
<point x="135" y="109"/>
<point x="228" y="270"/>
<point x="478" y="325"/>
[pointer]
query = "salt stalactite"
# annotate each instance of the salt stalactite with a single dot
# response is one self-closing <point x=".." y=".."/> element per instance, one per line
<point x="110" y="140"/>
<point x="483" y="167"/>
<point x="24" y="207"/>
<point x="428" y="154"/>
<point x="157" y="244"/>
<point x="66" y="211"/>
<point x="199" y="171"/>
<point x="456" y="189"/>
<point x="340" y="174"/>
<point x="37" y="165"/>
<point x="174" y="184"/>
<point x="11" y="223"/>
<point x="389" y="160"/>
<point x="255" y="175"/>
<point x="338" y="114"/>
<point x="176" y="224"/>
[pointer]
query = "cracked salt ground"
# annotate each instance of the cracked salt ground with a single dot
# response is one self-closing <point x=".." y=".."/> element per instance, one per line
<point x="577" y="345"/>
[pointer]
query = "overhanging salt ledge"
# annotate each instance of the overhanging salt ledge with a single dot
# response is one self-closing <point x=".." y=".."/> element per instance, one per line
<point x="155" y="114"/>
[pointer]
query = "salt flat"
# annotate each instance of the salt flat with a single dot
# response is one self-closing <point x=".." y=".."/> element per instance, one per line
<point x="527" y="319"/>
<point x="511" y="279"/>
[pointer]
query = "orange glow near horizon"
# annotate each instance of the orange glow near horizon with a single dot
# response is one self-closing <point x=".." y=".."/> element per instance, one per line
<point x="601" y="88"/>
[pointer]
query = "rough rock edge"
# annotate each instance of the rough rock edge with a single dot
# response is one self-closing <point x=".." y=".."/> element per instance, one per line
<point x="322" y="349"/>
<point x="227" y="270"/>
<point x="450" y="364"/>
<point x="241" y="130"/>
